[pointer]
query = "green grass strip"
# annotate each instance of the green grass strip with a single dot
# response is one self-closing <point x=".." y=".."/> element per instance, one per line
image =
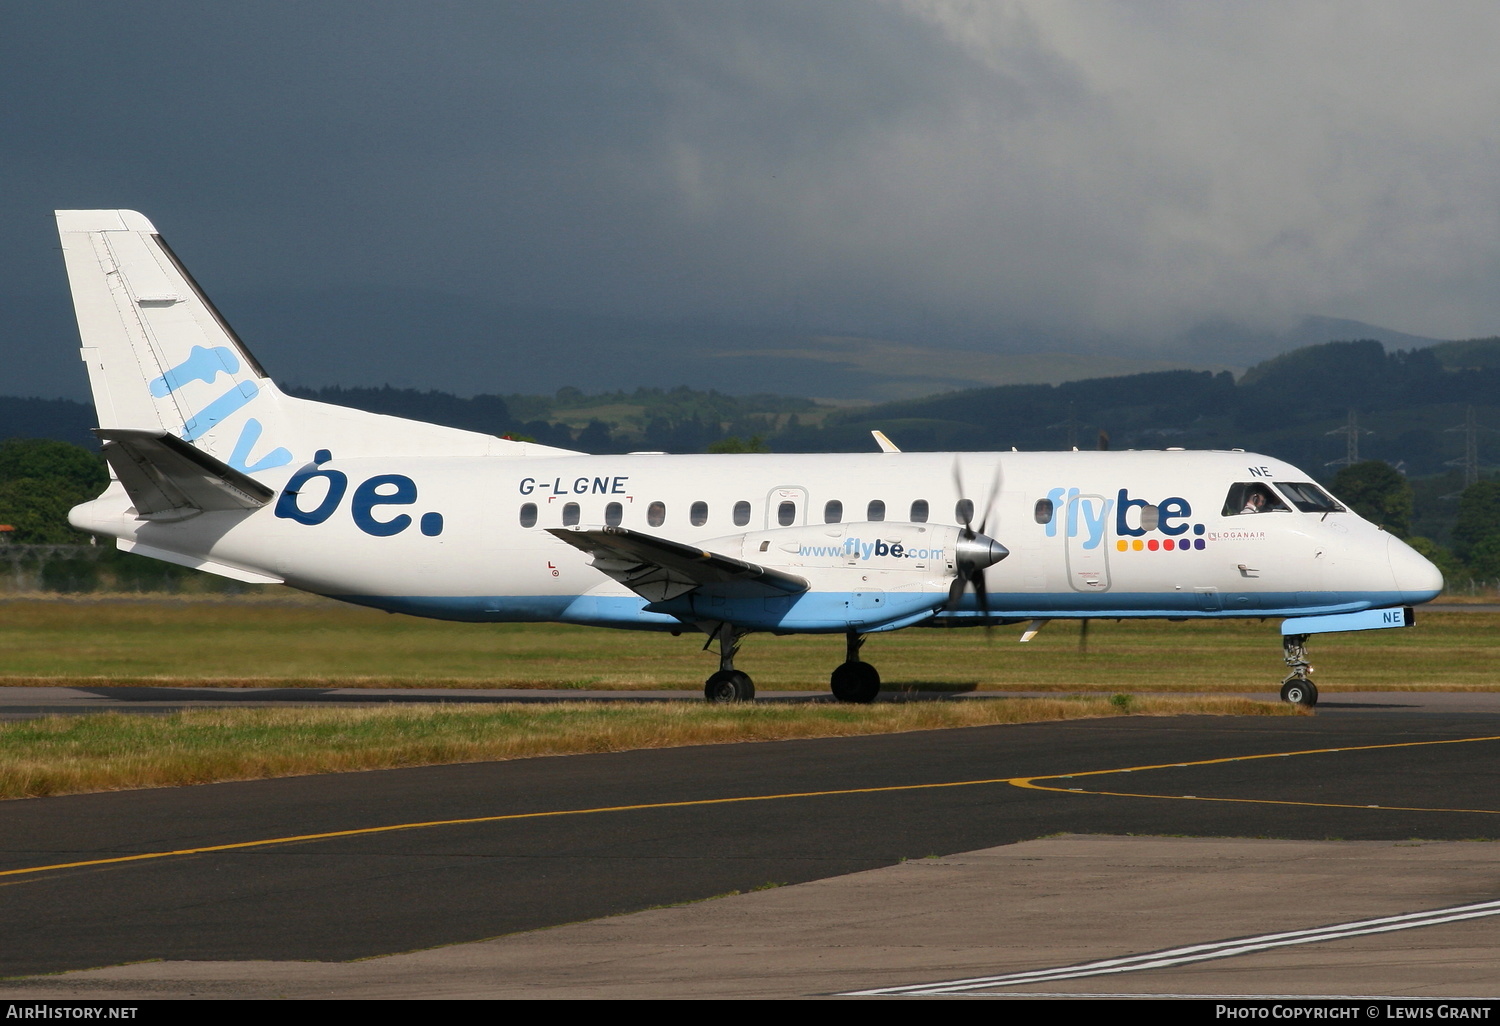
<point x="108" y="751"/>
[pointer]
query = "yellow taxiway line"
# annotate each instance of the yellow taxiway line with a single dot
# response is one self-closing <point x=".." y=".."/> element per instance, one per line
<point x="1029" y="783"/>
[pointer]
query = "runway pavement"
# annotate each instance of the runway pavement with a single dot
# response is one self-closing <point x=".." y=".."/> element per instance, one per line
<point x="1057" y="916"/>
<point x="240" y="879"/>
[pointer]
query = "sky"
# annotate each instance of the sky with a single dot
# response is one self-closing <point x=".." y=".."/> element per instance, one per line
<point x="1011" y="177"/>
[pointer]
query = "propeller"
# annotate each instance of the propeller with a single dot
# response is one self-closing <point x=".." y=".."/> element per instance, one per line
<point x="976" y="550"/>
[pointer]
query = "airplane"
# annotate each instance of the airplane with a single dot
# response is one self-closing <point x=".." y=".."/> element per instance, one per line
<point x="212" y="466"/>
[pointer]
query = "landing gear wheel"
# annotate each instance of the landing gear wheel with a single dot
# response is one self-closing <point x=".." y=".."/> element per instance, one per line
<point x="729" y="686"/>
<point x="855" y="682"/>
<point x="1300" y="692"/>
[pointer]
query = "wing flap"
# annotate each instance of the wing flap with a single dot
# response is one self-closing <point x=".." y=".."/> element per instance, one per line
<point x="659" y="570"/>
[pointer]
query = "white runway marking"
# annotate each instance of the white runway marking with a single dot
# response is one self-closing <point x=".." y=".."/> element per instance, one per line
<point x="1194" y="953"/>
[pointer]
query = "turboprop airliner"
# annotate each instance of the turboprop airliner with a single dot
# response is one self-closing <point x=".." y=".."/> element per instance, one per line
<point x="213" y="467"/>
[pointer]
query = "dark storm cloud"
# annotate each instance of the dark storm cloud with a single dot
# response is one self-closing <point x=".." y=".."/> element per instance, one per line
<point x="1011" y="174"/>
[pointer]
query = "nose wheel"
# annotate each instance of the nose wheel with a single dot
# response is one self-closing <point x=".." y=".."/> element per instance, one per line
<point x="1300" y="692"/>
<point x="853" y="680"/>
<point x="1296" y="688"/>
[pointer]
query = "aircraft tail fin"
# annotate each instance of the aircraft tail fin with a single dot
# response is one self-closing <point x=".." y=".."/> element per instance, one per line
<point x="163" y="360"/>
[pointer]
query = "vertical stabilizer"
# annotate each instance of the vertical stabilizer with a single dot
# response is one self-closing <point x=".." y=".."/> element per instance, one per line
<point x="159" y="355"/>
<point x="161" y="359"/>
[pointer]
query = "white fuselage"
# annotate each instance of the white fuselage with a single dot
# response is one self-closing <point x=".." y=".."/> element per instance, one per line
<point x="466" y="537"/>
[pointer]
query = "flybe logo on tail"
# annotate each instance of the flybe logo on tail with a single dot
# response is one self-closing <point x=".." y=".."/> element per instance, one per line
<point x="205" y="365"/>
<point x="1090" y="517"/>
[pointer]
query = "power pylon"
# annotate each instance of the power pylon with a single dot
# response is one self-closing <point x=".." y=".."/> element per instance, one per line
<point x="1351" y="432"/>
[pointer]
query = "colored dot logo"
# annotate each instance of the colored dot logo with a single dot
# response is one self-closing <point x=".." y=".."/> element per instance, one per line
<point x="1160" y="545"/>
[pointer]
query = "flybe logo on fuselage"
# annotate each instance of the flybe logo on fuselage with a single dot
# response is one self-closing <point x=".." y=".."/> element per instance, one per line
<point x="370" y="498"/>
<point x="1090" y="517"/>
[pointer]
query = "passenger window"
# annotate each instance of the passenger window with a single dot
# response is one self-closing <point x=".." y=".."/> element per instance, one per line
<point x="919" y="511"/>
<point x="876" y="510"/>
<point x="964" y="511"/>
<point x="833" y="511"/>
<point x="786" y="514"/>
<point x="741" y="513"/>
<point x="698" y="513"/>
<point x="656" y="514"/>
<point x="1042" y="514"/>
<point x="613" y="514"/>
<point x="570" y="514"/>
<point x="1150" y="517"/>
<point x="528" y="514"/>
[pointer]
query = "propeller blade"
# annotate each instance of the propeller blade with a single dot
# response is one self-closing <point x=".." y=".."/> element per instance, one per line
<point x="972" y="575"/>
<point x="989" y="503"/>
<point x="981" y="592"/>
<point x="956" y="592"/>
<point x="965" y="507"/>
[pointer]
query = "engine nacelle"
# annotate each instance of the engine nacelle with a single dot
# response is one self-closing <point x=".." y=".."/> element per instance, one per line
<point x="862" y="577"/>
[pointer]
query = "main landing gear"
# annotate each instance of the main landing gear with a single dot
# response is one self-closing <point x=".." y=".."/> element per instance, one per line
<point x="729" y="684"/>
<point x="854" y="681"/>
<point x="1296" y="688"/>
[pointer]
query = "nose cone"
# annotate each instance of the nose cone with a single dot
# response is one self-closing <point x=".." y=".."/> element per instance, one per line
<point x="980" y="551"/>
<point x="1416" y="578"/>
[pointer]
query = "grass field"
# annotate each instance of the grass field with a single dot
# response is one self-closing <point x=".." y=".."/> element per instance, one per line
<point x="307" y="642"/>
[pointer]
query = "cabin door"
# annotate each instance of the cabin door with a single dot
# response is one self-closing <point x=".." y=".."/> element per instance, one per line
<point x="1087" y="526"/>
<point x="786" y="507"/>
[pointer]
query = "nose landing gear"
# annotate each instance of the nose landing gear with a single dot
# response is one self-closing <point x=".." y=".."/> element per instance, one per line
<point x="1296" y="688"/>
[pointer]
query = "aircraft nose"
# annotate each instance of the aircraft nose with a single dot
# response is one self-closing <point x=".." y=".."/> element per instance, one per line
<point x="1416" y="578"/>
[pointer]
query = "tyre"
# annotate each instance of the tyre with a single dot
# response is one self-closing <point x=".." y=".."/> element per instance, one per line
<point x="1300" y="692"/>
<point x="729" y="686"/>
<point x="855" y="682"/>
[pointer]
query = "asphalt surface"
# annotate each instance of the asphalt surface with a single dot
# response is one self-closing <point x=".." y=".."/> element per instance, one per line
<point x="358" y="896"/>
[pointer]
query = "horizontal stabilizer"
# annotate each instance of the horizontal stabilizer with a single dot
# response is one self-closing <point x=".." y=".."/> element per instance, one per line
<point x="162" y="474"/>
<point x="659" y="570"/>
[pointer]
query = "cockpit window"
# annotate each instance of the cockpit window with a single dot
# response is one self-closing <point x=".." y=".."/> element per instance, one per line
<point x="1308" y="497"/>
<point x="1252" y="497"/>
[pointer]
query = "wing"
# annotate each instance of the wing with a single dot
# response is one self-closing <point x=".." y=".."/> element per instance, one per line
<point x="659" y="570"/>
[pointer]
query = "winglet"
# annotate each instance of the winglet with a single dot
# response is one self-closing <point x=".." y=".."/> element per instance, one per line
<point x="886" y="445"/>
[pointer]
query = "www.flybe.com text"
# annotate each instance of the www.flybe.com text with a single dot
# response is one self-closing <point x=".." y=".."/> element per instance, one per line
<point x="854" y="548"/>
